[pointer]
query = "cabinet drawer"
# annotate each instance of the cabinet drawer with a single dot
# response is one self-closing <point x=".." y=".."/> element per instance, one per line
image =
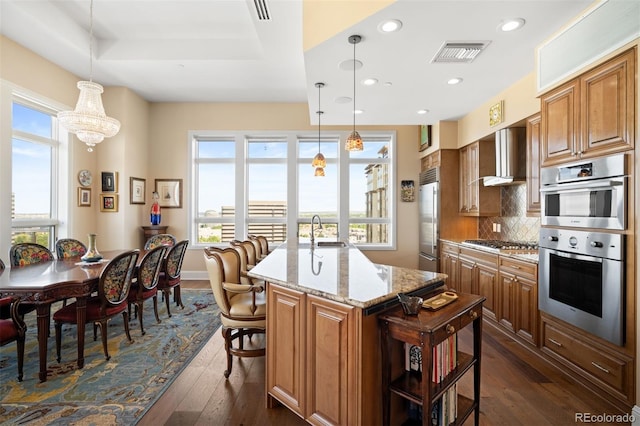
<point x="451" y="327"/>
<point x="479" y="256"/>
<point x="447" y="247"/>
<point x="603" y="366"/>
<point x="519" y="268"/>
<point x="468" y="317"/>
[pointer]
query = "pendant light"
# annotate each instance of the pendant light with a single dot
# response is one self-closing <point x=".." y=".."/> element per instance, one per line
<point x="89" y="121"/>
<point x="354" y="141"/>
<point x="319" y="161"/>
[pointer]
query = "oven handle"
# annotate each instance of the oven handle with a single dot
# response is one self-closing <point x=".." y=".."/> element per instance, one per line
<point x="570" y="255"/>
<point x="580" y="186"/>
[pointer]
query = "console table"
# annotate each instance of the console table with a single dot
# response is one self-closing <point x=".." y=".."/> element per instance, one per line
<point x="152" y="230"/>
<point x="426" y="331"/>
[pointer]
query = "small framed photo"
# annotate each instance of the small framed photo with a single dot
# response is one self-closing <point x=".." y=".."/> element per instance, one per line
<point x="84" y="197"/>
<point x="169" y="192"/>
<point x="109" y="181"/>
<point x="425" y="137"/>
<point x="407" y="190"/>
<point x="108" y="203"/>
<point x="137" y="190"/>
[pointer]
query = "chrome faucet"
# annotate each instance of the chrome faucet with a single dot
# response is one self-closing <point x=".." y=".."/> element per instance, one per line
<point x="313" y="238"/>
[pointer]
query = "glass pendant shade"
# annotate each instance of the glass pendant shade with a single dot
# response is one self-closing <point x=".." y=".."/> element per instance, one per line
<point x="89" y="121"/>
<point x="319" y="171"/>
<point x="354" y="142"/>
<point x="319" y="161"/>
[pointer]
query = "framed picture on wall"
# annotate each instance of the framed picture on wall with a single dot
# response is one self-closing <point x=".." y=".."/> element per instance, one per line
<point x="109" y="181"/>
<point x="136" y="190"/>
<point x="109" y="203"/>
<point x="84" y="197"/>
<point x="425" y="137"/>
<point x="170" y="192"/>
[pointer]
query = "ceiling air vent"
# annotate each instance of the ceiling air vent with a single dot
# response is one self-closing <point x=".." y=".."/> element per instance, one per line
<point x="459" y="52"/>
<point x="262" y="10"/>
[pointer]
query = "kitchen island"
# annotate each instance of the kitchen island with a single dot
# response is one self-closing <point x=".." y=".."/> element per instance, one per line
<point x="323" y="348"/>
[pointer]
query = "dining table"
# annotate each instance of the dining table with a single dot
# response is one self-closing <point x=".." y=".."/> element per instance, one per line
<point x="42" y="284"/>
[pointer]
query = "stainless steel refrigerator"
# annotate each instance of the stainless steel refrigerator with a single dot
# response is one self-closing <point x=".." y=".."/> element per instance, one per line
<point x="429" y="206"/>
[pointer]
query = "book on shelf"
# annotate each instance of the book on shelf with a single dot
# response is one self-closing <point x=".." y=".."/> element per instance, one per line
<point x="444" y="358"/>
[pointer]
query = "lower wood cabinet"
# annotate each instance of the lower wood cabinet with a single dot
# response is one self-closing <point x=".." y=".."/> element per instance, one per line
<point x="449" y="264"/>
<point x="479" y="275"/>
<point x="323" y="359"/>
<point x="518" y="289"/>
<point x="608" y="371"/>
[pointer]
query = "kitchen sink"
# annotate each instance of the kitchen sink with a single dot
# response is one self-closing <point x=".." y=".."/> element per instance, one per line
<point x="332" y="244"/>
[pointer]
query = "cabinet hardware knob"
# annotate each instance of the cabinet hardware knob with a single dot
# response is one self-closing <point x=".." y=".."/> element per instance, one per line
<point x="450" y="329"/>
<point x="473" y="314"/>
<point x="555" y="342"/>
<point x="598" y="366"/>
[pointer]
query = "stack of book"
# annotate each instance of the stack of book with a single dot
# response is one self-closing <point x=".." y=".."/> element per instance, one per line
<point x="444" y="357"/>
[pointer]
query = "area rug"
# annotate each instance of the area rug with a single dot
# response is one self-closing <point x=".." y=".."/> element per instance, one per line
<point x="114" y="392"/>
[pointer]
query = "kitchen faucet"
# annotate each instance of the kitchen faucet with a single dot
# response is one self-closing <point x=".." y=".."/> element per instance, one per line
<point x="313" y="238"/>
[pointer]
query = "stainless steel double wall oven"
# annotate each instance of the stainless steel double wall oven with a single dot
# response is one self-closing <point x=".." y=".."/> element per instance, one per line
<point x="582" y="270"/>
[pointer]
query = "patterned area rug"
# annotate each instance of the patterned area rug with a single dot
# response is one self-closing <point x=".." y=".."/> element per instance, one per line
<point x="114" y="392"/>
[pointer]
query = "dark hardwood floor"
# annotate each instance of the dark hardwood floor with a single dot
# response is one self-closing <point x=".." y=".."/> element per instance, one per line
<point x="517" y="388"/>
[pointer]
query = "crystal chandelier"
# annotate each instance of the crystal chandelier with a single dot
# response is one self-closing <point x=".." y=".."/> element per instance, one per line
<point x="354" y="141"/>
<point x="89" y="121"/>
<point x="319" y="161"/>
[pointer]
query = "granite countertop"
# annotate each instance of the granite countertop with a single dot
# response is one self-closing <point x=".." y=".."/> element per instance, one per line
<point x="342" y="274"/>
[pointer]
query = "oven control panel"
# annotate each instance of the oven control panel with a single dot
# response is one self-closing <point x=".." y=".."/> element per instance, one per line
<point x="599" y="244"/>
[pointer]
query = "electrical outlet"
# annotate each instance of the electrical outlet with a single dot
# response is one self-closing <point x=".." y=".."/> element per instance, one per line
<point x="498" y="226"/>
<point x="495" y="226"/>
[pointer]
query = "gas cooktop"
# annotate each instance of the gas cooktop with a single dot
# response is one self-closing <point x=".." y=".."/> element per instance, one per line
<point x="498" y="245"/>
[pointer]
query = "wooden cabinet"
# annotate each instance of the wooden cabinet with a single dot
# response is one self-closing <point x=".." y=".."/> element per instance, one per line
<point x="449" y="264"/>
<point x="478" y="160"/>
<point x="518" y="296"/>
<point x="533" y="165"/>
<point x="609" y="372"/>
<point x="286" y="330"/>
<point x="430" y="161"/>
<point x="479" y="275"/>
<point x="331" y="343"/>
<point x="426" y="331"/>
<point x="308" y="337"/>
<point x="591" y="115"/>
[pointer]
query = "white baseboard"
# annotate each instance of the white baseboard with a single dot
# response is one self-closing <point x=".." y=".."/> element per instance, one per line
<point x="194" y="275"/>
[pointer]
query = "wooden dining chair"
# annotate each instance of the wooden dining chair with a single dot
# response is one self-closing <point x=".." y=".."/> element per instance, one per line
<point x="170" y="274"/>
<point x="160" y="240"/>
<point x="13" y="329"/>
<point x="68" y="248"/>
<point x="145" y="284"/>
<point x="242" y="307"/>
<point x="24" y="254"/>
<point x="113" y="291"/>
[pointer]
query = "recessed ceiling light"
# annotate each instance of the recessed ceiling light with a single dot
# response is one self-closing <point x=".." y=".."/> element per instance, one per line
<point x="423" y="111"/>
<point x="455" y="80"/>
<point x="511" y="24"/>
<point x="342" y="100"/>
<point x="358" y="111"/>
<point x="389" y="26"/>
<point x="369" y="81"/>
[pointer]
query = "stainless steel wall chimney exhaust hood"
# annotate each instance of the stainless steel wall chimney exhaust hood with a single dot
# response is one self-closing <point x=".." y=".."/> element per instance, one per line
<point x="511" y="157"/>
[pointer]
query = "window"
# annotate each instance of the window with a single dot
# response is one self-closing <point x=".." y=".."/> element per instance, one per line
<point x="35" y="152"/>
<point x="264" y="184"/>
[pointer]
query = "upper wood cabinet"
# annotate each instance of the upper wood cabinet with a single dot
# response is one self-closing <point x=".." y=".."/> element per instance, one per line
<point x="591" y="115"/>
<point x="533" y="165"/>
<point x="478" y="160"/>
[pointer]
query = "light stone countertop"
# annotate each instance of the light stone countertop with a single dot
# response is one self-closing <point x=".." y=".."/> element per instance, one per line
<point x="342" y="274"/>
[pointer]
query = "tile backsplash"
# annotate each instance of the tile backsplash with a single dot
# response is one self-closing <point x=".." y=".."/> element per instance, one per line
<point x="514" y="223"/>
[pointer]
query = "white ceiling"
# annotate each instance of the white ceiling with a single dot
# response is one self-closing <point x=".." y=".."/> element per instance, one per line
<point x="218" y="51"/>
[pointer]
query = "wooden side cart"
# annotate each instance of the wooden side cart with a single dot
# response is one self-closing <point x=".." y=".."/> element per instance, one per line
<point x="426" y="331"/>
